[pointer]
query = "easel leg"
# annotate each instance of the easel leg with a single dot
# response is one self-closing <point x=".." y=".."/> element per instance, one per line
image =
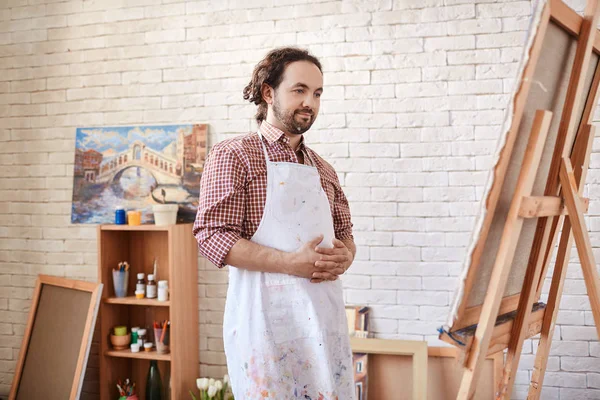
<point x="582" y="239"/>
<point x="520" y="325"/>
<point x="556" y="289"/>
<point x="504" y="257"/>
<point x="581" y="158"/>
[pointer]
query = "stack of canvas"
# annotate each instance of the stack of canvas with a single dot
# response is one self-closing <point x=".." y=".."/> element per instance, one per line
<point x="358" y="321"/>
<point x="359" y="361"/>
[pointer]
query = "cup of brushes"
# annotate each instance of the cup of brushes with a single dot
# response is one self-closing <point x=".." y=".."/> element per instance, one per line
<point x="127" y="390"/>
<point x="162" y="333"/>
<point x="121" y="279"/>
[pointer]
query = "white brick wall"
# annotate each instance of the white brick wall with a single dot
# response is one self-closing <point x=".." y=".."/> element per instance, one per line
<point x="414" y="96"/>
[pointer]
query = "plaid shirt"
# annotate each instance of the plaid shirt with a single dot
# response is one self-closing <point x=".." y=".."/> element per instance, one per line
<point x="233" y="190"/>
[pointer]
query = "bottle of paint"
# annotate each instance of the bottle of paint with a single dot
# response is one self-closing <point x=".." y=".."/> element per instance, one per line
<point x="151" y="287"/>
<point x="141" y="337"/>
<point x="163" y="291"/>
<point x="140" y="285"/>
<point x="134" y="334"/>
<point x="120" y="218"/>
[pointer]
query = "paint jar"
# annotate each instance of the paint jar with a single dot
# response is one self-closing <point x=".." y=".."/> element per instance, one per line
<point x="139" y="294"/>
<point x="120" y="218"/>
<point x="134" y="217"/>
<point x="151" y="287"/>
<point x="140" y="285"/>
<point x="147" y="346"/>
<point x="163" y="291"/>
<point x="141" y="336"/>
<point x="134" y="334"/>
<point x="135" y="347"/>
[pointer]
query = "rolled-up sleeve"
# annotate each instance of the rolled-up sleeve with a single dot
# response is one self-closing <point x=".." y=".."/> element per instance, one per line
<point x="220" y="213"/>
<point x="342" y="220"/>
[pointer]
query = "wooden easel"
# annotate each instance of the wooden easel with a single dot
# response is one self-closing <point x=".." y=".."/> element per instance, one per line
<point x="560" y="209"/>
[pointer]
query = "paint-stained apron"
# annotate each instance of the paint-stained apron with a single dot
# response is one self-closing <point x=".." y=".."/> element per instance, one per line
<point x="285" y="337"/>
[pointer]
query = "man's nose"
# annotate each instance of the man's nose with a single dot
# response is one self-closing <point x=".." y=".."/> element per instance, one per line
<point x="309" y="102"/>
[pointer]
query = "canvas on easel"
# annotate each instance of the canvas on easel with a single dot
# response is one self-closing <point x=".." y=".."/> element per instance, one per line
<point x="533" y="194"/>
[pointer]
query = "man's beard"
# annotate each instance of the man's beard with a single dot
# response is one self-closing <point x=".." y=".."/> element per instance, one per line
<point x="289" y="121"/>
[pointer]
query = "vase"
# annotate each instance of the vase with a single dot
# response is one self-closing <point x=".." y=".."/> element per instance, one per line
<point x="153" y="382"/>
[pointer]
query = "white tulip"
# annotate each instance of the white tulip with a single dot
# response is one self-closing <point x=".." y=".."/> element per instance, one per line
<point x="202" y="383"/>
<point x="212" y="390"/>
<point x="226" y="378"/>
<point x="219" y="385"/>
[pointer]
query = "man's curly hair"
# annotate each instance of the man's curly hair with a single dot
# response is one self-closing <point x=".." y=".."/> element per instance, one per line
<point x="270" y="71"/>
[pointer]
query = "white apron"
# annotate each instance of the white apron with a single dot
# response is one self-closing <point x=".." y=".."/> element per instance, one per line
<point x="285" y="337"/>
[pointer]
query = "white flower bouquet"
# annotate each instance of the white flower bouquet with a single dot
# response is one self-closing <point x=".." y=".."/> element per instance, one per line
<point x="213" y="389"/>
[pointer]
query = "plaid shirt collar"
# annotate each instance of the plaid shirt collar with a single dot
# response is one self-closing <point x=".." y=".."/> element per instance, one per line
<point x="273" y="134"/>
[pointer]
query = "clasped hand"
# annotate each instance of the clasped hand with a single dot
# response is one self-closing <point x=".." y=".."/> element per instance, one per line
<point x="322" y="264"/>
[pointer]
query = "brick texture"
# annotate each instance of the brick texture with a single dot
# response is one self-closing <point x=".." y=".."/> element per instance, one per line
<point x="415" y="92"/>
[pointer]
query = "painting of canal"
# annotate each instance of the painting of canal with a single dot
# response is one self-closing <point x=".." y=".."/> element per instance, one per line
<point x="136" y="167"/>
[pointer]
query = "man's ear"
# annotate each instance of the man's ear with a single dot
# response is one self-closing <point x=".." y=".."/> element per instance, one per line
<point x="267" y="93"/>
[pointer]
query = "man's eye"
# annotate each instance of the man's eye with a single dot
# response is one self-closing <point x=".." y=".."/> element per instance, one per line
<point x="299" y="91"/>
<point x="318" y="94"/>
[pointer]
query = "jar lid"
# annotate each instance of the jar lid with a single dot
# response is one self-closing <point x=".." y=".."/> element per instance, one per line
<point x="135" y="329"/>
<point x="141" y="332"/>
<point x="119" y="208"/>
<point x="148" y="345"/>
<point x="140" y="275"/>
<point x="150" y="277"/>
<point x="162" y="283"/>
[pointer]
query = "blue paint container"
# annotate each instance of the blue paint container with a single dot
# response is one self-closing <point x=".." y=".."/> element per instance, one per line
<point x="120" y="218"/>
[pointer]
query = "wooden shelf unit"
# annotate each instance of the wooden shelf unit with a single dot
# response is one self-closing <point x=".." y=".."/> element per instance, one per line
<point x="175" y="249"/>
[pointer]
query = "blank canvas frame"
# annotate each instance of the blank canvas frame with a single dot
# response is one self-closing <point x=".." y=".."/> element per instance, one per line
<point x="57" y="339"/>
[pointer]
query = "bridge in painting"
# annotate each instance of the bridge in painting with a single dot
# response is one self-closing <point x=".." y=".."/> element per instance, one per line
<point x="165" y="170"/>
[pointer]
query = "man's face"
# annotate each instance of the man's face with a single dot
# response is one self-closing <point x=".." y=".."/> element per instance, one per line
<point x="297" y="100"/>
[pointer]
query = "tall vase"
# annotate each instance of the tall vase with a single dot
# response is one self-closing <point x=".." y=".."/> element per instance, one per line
<point x="153" y="382"/>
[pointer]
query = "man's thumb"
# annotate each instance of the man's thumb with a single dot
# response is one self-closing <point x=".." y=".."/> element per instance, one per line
<point x="316" y="241"/>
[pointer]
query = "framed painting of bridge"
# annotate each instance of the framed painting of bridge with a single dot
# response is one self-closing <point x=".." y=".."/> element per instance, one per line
<point x="136" y="167"/>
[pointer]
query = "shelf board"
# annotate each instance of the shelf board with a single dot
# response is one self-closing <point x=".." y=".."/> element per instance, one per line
<point x="142" y="355"/>
<point x="143" y="227"/>
<point x="132" y="301"/>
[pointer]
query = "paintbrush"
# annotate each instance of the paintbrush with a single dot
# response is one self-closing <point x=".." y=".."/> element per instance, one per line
<point x="164" y="331"/>
<point x="168" y="334"/>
